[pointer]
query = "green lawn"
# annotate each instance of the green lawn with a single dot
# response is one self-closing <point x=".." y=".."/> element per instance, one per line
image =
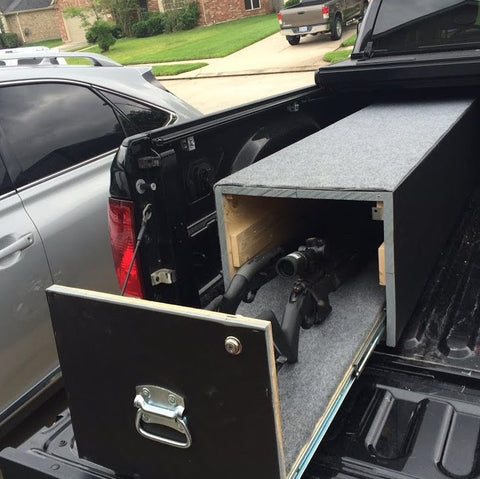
<point x="350" y="41"/>
<point x="175" y="69"/>
<point x="78" y="61"/>
<point x="45" y="43"/>
<point x="337" y="55"/>
<point x="202" y="42"/>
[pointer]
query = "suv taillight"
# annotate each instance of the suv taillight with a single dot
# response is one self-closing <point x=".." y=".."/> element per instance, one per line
<point x="279" y="16"/>
<point x="326" y="11"/>
<point x="121" y="225"/>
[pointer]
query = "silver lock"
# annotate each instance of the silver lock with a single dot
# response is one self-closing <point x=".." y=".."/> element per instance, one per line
<point x="156" y="405"/>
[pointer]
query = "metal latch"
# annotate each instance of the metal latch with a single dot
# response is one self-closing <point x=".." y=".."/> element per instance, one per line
<point x="155" y="161"/>
<point x="377" y="211"/>
<point x="163" y="276"/>
<point x="156" y="405"/>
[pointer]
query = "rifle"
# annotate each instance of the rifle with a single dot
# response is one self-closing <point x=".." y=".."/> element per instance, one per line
<point x="247" y="281"/>
<point x="320" y="271"/>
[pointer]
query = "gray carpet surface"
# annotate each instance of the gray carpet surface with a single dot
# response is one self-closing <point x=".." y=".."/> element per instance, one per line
<point x="373" y="149"/>
<point x="326" y="352"/>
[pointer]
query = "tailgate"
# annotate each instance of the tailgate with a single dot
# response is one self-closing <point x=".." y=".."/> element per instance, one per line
<point x="303" y="15"/>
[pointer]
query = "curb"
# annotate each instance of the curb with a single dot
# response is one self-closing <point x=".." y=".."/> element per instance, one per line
<point x="272" y="71"/>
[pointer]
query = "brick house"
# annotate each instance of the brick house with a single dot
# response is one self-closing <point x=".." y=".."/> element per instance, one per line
<point x="31" y="20"/>
<point x="215" y="11"/>
<point x="211" y="11"/>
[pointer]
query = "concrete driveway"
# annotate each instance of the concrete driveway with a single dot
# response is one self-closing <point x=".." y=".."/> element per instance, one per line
<point x="266" y="68"/>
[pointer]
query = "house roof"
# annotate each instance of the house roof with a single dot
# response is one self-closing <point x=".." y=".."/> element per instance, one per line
<point x="4" y="4"/>
<point x="10" y="6"/>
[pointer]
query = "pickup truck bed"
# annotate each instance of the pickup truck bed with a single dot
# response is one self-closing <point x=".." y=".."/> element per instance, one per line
<point x="414" y="412"/>
<point x="399" y="423"/>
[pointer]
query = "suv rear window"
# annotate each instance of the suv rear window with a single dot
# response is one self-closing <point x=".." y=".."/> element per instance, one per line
<point x="137" y="117"/>
<point x="50" y="127"/>
<point x="410" y="26"/>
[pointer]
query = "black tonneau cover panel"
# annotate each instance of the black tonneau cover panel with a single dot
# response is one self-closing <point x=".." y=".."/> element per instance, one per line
<point x="425" y="70"/>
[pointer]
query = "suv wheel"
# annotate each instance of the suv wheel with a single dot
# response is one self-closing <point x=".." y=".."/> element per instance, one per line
<point x="337" y="28"/>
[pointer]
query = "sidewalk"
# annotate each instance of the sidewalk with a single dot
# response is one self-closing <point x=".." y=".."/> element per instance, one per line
<point x="71" y="46"/>
<point x="271" y="55"/>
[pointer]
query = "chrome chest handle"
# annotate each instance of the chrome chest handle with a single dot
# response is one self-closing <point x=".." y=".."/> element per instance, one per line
<point x="156" y="405"/>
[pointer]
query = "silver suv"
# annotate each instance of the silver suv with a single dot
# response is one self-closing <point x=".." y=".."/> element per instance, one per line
<point x="60" y="126"/>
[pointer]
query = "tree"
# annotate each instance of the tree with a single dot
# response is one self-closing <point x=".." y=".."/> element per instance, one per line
<point x="123" y="12"/>
<point x="83" y="13"/>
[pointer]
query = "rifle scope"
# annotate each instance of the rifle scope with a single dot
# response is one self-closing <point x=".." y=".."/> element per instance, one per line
<point x="307" y="260"/>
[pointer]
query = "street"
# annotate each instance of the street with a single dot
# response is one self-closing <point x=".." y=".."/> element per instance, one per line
<point x="211" y="94"/>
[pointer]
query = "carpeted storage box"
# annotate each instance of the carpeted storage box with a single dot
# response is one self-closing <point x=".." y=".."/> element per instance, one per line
<point x="394" y="175"/>
<point x="413" y="164"/>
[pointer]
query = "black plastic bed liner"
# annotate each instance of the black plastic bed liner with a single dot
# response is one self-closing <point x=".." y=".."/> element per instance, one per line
<point x="415" y="411"/>
<point x="445" y="328"/>
<point x="397" y="425"/>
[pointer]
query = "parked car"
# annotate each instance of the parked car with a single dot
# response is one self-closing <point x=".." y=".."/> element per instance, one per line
<point x="60" y="126"/>
<point x="310" y="17"/>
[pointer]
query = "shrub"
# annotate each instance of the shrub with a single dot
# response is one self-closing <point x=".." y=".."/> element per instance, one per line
<point x="101" y="33"/>
<point x="289" y="3"/>
<point x="105" y="41"/>
<point x="155" y="24"/>
<point x="140" y="29"/>
<point x="91" y="34"/>
<point x="189" y="15"/>
<point x="9" y="40"/>
<point x="116" y="31"/>
<point x="184" y="18"/>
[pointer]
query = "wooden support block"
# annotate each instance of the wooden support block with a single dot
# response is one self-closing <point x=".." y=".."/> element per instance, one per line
<point x="253" y="224"/>
<point x="381" y="264"/>
<point x="250" y="239"/>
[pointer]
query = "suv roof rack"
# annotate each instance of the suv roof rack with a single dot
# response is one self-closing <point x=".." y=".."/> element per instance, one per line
<point x="51" y="57"/>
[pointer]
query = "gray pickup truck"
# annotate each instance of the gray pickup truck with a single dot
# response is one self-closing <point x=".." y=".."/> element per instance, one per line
<point x="310" y="17"/>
